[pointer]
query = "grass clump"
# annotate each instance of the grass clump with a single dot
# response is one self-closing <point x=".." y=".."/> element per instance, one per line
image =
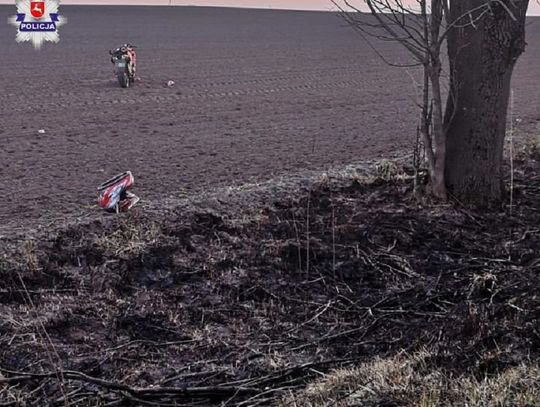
<point x="411" y="380"/>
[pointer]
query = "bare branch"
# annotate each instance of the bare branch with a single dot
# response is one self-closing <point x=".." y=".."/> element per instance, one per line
<point x="208" y="391"/>
<point x="360" y="27"/>
<point x="396" y="22"/>
<point x="501" y="3"/>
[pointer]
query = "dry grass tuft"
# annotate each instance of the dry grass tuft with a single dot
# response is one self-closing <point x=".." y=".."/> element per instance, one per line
<point x="409" y="380"/>
<point x="129" y="239"/>
<point x="530" y="149"/>
<point x="390" y="170"/>
<point x="30" y="256"/>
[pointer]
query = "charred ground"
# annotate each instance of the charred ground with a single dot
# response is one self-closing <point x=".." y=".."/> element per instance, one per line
<point x="220" y="304"/>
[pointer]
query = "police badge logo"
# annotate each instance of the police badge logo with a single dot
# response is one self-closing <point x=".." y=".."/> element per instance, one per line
<point x="37" y="21"/>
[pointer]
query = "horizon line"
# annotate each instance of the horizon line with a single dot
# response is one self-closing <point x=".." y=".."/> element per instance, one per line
<point x="174" y="3"/>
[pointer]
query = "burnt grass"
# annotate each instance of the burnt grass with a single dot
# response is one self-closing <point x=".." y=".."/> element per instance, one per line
<point x="239" y="305"/>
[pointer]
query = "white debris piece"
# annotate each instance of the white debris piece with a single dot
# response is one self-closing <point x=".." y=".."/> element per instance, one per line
<point x="41" y="131"/>
<point x="170" y="84"/>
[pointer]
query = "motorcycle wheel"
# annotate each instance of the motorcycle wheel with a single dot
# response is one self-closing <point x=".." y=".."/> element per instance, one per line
<point x="123" y="79"/>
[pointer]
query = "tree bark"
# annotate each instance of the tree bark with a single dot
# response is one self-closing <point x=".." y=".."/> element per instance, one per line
<point x="483" y="48"/>
<point x="439" y="189"/>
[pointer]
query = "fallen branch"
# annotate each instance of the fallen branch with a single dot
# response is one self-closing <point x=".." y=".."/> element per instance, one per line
<point x="186" y="392"/>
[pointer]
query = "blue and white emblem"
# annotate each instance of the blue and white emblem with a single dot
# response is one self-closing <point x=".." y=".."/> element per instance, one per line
<point x="37" y="21"/>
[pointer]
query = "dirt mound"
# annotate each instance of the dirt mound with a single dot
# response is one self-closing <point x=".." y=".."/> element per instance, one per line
<point x="239" y="307"/>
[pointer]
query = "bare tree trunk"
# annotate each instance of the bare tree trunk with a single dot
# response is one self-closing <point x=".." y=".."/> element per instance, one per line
<point x="482" y="53"/>
<point x="425" y="123"/>
<point x="427" y="113"/>
<point x="439" y="134"/>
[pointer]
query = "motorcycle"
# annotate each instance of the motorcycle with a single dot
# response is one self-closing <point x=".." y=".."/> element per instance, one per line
<point x="124" y="59"/>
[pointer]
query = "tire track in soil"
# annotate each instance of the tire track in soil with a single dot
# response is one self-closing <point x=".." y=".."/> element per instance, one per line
<point x="145" y="99"/>
<point x="176" y="97"/>
<point x="310" y="81"/>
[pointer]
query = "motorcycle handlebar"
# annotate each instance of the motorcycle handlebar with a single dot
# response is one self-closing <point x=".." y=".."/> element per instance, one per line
<point x="127" y="45"/>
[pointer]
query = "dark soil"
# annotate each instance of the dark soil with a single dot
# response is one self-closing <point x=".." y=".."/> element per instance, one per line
<point x="258" y="94"/>
<point x="230" y="305"/>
